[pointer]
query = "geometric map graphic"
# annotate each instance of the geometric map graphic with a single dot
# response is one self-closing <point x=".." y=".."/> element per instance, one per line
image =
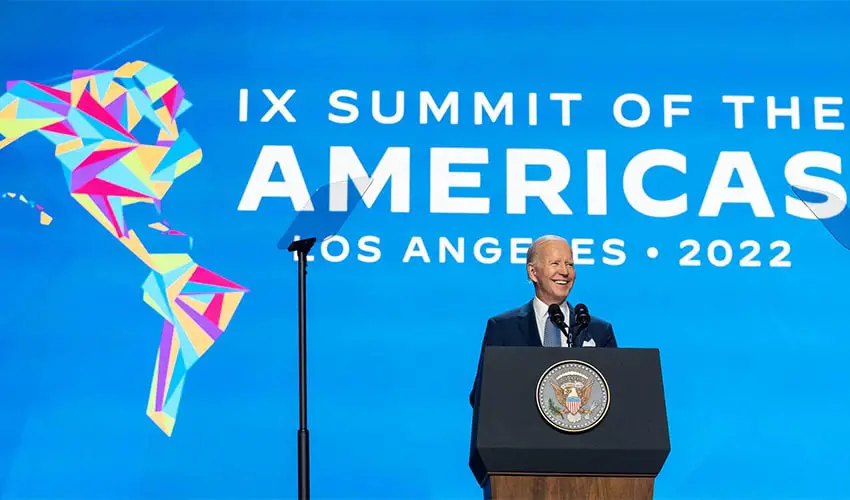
<point x="116" y="137"/>
<point x="43" y="217"/>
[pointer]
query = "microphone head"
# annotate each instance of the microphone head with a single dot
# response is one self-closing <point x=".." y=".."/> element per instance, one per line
<point x="556" y="314"/>
<point x="582" y="315"/>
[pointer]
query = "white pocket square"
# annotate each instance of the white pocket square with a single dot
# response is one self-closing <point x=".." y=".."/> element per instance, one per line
<point x="588" y="343"/>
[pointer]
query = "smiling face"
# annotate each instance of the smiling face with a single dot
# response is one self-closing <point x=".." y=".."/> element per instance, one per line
<point x="552" y="271"/>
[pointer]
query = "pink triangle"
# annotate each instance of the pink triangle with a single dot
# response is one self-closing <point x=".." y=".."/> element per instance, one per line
<point x="213" y="312"/>
<point x="206" y="277"/>
<point x="83" y="175"/>
<point x="62" y="127"/>
<point x="91" y="107"/>
<point x="59" y="94"/>
<point x="108" y="154"/>
<point x="168" y="99"/>
<point x="101" y="187"/>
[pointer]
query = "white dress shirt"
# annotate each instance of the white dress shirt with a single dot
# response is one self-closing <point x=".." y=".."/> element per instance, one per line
<point x="541" y="314"/>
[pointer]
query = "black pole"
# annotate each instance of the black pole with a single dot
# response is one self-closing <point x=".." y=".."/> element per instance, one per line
<point x="302" y="247"/>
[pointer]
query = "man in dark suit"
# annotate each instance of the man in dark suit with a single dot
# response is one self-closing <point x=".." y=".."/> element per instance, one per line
<point x="550" y="267"/>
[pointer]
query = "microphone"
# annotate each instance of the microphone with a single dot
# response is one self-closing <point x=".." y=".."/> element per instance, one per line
<point x="582" y="316"/>
<point x="556" y="315"/>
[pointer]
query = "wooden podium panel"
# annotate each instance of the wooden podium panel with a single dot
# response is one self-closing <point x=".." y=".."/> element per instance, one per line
<point x="527" y="487"/>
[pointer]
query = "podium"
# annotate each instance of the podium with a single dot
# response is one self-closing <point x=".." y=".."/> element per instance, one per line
<point x="540" y="432"/>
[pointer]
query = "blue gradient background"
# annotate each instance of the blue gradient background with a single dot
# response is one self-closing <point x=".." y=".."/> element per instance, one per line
<point x="754" y="358"/>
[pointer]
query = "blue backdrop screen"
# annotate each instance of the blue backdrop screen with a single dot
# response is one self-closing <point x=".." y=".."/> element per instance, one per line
<point x="686" y="151"/>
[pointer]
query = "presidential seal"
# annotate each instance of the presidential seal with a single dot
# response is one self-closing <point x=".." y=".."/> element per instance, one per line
<point x="572" y="396"/>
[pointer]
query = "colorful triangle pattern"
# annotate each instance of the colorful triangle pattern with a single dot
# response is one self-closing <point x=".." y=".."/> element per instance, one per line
<point x="90" y="120"/>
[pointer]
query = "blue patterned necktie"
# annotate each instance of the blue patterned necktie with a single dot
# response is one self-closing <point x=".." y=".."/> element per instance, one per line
<point x="551" y="334"/>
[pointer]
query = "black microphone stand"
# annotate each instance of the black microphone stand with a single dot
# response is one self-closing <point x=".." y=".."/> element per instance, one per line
<point x="302" y="248"/>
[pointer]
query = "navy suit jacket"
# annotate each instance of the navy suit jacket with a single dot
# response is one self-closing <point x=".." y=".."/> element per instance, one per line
<point x="518" y="327"/>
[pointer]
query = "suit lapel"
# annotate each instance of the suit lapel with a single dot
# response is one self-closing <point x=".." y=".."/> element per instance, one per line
<point x="528" y="325"/>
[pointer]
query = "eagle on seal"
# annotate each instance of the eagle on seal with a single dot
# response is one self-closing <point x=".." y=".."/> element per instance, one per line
<point x="573" y="397"/>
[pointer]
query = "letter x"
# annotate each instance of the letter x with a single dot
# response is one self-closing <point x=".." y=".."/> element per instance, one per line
<point x="278" y="105"/>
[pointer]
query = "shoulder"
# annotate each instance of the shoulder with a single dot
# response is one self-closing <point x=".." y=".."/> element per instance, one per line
<point x="597" y="322"/>
<point x="511" y="314"/>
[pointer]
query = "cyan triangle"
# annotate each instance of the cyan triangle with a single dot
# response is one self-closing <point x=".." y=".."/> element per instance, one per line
<point x="82" y="124"/>
<point x="184" y="106"/>
<point x="172" y="403"/>
<point x="153" y="287"/>
<point x="55" y="137"/>
<point x="189" y="354"/>
<point x="102" y="82"/>
<point x="28" y="109"/>
<point x="174" y="275"/>
<point x="76" y="156"/>
<point x="182" y="147"/>
<point x="106" y="131"/>
<point x="27" y="91"/>
<point x="177" y="376"/>
<point x="143" y="105"/>
<point x="150" y="75"/>
<point x="166" y="174"/>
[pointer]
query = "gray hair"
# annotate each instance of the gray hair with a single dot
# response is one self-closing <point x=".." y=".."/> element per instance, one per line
<point x="531" y="256"/>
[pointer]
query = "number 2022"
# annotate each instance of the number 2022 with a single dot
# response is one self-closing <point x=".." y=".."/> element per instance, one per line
<point x="720" y="253"/>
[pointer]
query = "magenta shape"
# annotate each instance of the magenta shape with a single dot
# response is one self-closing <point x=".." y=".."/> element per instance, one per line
<point x="116" y="108"/>
<point x="82" y="73"/>
<point x="162" y="372"/>
<point x="206" y="325"/>
<point x="83" y="175"/>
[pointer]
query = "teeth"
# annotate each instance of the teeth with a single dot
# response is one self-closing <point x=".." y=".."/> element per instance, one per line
<point x="561" y="282"/>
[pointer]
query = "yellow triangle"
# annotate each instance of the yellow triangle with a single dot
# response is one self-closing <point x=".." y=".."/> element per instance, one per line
<point x="69" y="146"/>
<point x="45" y="219"/>
<point x="161" y="187"/>
<point x="176" y="287"/>
<point x="187" y="163"/>
<point x="110" y="144"/>
<point x="228" y="308"/>
<point x="197" y="336"/>
<point x="22" y="126"/>
<point x="170" y="132"/>
<point x="78" y="86"/>
<point x="166" y="262"/>
<point x="22" y="198"/>
<point x="163" y="421"/>
<point x="159" y="89"/>
<point x="151" y="156"/>
<point x="133" y="115"/>
<point x="114" y="91"/>
<point x="129" y="69"/>
<point x="10" y="112"/>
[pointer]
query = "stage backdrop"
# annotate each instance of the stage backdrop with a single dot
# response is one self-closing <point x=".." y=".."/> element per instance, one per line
<point x="153" y="154"/>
